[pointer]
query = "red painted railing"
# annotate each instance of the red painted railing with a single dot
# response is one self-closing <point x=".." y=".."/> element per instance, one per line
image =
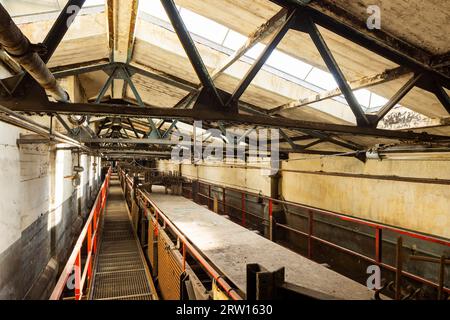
<point x="311" y="212"/>
<point x="88" y="237"/>
<point x="187" y="246"/>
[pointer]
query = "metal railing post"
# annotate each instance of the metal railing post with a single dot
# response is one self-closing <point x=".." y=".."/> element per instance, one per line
<point x="270" y="220"/>
<point x="243" y="208"/>
<point x="310" y="233"/>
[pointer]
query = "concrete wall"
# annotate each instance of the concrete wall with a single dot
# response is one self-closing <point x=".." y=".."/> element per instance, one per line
<point x="234" y="177"/>
<point x="39" y="211"/>
<point x="416" y="206"/>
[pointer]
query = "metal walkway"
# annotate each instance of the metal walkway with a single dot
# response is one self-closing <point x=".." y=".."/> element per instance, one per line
<point x="120" y="270"/>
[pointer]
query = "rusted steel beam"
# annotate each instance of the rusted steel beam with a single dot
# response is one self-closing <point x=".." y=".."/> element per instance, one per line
<point x="254" y="69"/>
<point x="396" y="98"/>
<point x="354" y="29"/>
<point x="191" y="50"/>
<point x="257" y="36"/>
<point x="214" y="116"/>
<point x="442" y="96"/>
<point x="60" y="27"/>
<point x="365" y="82"/>
<point x="80" y="68"/>
<point x="327" y="56"/>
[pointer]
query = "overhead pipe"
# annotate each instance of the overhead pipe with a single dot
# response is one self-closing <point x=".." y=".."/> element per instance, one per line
<point x="21" y="121"/>
<point x="19" y="47"/>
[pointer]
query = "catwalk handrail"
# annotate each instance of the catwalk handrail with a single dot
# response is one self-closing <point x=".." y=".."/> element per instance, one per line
<point x="341" y="216"/>
<point x="186" y="245"/>
<point x="89" y="233"/>
<point x="378" y="227"/>
<point x="309" y="234"/>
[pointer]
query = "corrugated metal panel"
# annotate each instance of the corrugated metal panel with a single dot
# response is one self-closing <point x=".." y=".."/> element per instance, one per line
<point x="169" y="268"/>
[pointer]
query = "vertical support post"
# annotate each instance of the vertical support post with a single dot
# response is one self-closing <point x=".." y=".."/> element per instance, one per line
<point x="184" y="257"/>
<point x="243" y="209"/>
<point x="77" y="266"/>
<point x="216" y="205"/>
<point x="209" y="196"/>
<point x="94" y="218"/>
<point x="441" y="278"/>
<point x="142" y="214"/>
<point x="399" y="267"/>
<point x="378" y="244"/>
<point x="310" y="233"/>
<point x="89" y="249"/>
<point x="224" y="202"/>
<point x="270" y="220"/>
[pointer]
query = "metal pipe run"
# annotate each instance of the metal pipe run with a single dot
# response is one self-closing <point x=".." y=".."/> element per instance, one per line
<point x="18" y="46"/>
<point x="28" y="124"/>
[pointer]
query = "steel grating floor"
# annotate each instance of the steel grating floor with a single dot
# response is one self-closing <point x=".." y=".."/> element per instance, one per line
<point x="120" y="272"/>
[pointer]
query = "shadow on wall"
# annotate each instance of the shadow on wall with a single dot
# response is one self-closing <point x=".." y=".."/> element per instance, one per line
<point x="51" y="219"/>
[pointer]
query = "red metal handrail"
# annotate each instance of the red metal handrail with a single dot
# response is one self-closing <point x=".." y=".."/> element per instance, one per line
<point x="311" y="211"/>
<point x="186" y="245"/>
<point x="309" y="234"/>
<point x="89" y="234"/>
<point x="372" y="224"/>
<point x="230" y="291"/>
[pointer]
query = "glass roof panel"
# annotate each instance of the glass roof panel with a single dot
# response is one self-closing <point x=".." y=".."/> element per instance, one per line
<point x="154" y="8"/>
<point x="288" y="64"/>
<point x="322" y="79"/>
<point x="234" y="40"/>
<point x="376" y="101"/>
<point x="363" y="97"/>
<point x="204" y="27"/>
<point x="256" y="51"/>
<point x="21" y="8"/>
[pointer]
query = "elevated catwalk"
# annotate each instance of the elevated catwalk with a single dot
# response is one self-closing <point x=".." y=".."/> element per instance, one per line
<point x="230" y="247"/>
<point x="120" y="270"/>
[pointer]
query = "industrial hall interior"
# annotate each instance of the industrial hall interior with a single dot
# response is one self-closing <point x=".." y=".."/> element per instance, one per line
<point x="224" y="150"/>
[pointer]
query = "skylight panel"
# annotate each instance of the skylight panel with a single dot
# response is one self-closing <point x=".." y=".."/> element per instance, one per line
<point x="288" y="64"/>
<point x="204" y="27"/>
<point x="234" y="40"/>
<point x="256" y="51"/>
<point x="154" y="8"/>
<point x="321" y="79"/>
<point x="93" y="3"/>
<point x="19" y="8"/>
<point x="363" y="97"/>
<point x="376" y="101"/>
